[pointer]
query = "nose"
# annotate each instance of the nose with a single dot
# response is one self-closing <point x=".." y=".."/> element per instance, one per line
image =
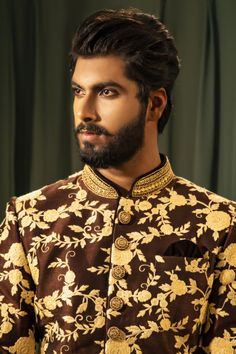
<point x="84" y="110"/>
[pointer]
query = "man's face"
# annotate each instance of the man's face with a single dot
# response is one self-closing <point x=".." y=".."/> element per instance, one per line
<point x="108" y="116"/>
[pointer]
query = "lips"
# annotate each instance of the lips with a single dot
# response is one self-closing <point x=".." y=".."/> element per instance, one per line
<point x="88" y="132"/>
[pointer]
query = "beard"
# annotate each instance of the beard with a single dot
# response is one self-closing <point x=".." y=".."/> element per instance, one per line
<point x="121" y="147"/>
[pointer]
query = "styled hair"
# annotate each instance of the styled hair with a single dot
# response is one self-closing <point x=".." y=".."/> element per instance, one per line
<point x="141" y="40"/>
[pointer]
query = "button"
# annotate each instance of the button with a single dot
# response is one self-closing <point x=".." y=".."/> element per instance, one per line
<point x="116" y="334"/>
<point x="118" y="272"/>
<point x="124" y="217"/>
<point x="121" y="243"/>
<point x="116" y="303"/>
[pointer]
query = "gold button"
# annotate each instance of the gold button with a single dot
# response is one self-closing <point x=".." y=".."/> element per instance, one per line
<point x="121" y="243"/>
<point x="118" y="272"/>
<point x="124" y="217"/>
<point x="116" y="303"/>
<point x="116" y="334"/>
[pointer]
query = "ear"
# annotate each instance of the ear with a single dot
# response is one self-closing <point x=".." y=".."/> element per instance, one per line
<point x="157" y="103"/>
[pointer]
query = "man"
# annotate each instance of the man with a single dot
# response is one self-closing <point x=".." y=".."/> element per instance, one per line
<point x="122" y="257"/>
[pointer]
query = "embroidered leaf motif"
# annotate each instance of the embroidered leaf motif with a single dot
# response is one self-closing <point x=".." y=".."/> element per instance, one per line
<point x="68" y="319"/>
<point x="159" y="259"/>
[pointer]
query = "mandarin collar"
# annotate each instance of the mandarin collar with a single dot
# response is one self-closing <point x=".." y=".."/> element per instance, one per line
<point x="149" y="183"/>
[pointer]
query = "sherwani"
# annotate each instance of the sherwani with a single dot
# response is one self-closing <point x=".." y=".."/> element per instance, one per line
<point x="86" y="267"/>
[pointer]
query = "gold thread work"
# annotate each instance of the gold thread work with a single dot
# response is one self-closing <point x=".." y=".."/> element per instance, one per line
<point x="148" y="184"/>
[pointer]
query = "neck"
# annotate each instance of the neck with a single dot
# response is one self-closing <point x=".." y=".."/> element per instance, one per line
<point x="125" y="174"/>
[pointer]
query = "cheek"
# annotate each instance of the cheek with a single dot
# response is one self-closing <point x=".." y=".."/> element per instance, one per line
<point x="115" y="114"/>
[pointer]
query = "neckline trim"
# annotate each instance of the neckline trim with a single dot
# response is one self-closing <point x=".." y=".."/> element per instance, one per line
<point x="150" y="183"/>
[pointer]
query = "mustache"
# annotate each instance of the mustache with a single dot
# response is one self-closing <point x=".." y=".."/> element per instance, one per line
<point x="91" y="128"/>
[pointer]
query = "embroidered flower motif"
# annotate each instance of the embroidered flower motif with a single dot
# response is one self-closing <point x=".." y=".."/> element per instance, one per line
<point x="192" y="266"/>
<point x="230" y="254"/>
<point x="51" y="215"/>
<point x="66" y="293"/>
<point x="165" y="324"/>
<point x="121" y="257"/>
<point x="27" y="295"/>
<point x="81" y="194"/>
<point x="144" y="205"/>
<point x="26" y="221"/>
<point x="16" y="255"/>
<point x="6" y="327"/>
<point x="24" y="345"/>
<point x="177" y="199"/>
<point x="125" y="295"/>
<point x="144" y="295"/>
<point x="116" y="347"/>
<point x="126" y="203"/>
<point x="221" y="346"/>
<point x="232" y="296"/>
<point x="69" y="277"/>
<point x="217" y="220"/>
<point x="50" y="302"/>
<point x="227" y="276"/>
<point x="167" y="229"/>
<point x="178" y="287"/>
<point x="15" y="276"/>
<point x="99" y="304"/>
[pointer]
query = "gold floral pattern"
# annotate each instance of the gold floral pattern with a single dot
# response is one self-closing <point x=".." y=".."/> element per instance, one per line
<point x="59" y="257"/>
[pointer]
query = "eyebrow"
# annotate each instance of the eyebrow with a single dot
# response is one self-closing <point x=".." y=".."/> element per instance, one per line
<point x="101" y="85"/>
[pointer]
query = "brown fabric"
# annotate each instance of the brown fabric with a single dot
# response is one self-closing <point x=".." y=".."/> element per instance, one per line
<point x="86" y="270"/>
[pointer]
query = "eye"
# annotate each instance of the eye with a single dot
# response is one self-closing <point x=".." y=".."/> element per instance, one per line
<point x="77" y="91"/>
<point x="108" y="92"/>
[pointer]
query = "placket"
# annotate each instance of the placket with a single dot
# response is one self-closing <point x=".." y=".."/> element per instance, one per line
<point x="120" y="251"/>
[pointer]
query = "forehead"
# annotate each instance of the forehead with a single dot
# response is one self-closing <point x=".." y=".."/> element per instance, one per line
<point x="92" y="70"/>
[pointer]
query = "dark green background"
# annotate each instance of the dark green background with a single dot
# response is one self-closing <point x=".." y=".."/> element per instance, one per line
<point x="36" y="141"/>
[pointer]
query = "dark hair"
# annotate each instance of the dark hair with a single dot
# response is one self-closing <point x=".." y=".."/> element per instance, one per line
<point x="141" y="40"/>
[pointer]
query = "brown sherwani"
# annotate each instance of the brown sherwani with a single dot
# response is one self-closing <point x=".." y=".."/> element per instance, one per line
<point x="86" y="267"/>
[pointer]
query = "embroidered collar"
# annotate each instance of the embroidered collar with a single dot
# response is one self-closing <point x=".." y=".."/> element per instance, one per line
<point x="150" y="183"/>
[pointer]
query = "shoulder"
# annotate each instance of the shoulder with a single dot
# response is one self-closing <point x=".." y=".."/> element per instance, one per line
<point x="49" y="196"/>
<point x="218" y="210"/>
<point x="183" y="185"/>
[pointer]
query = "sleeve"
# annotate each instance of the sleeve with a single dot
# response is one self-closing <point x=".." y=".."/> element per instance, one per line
<point x="17" y="289"/>
<point x="220" y="329"/>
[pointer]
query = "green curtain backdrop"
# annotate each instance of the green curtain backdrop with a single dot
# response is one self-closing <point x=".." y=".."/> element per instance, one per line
<point x="36" y="139"/>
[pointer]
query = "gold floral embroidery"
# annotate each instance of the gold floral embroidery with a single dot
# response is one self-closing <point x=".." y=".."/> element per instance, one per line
<point x="230" y="254"/>
<point x="227" y="276"/>
<point x="24" y="345"/>
<point x="218" y="220"/>
<point x="115" y="347"/>
<point x="121" y="257"/>
<point x="72" y="241"/>
<point x="221" y="346"/>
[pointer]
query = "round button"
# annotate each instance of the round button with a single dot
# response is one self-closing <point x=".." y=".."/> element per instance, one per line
<point x="116" y="334"/>
<point x="121" y="243"/>
<point x="116" y="303"/>
<point x="118" y="272"/>
<point x="124" y="217"/>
